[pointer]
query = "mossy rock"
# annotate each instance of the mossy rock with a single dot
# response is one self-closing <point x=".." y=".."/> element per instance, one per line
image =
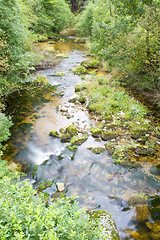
<point x="76" y="140"/>
<point x="96" y="132"/>
<point x="79" y="70"/>
<point x="66" y="137"/>
<point x="41" y="81"/>
<point x="128" y="163"/>
<point x="43" y="186"/>
<point x="54" y="133"/>
<point x="108" y="135"/>
<point x="82" y="99"/>
<point x="110" y="229"/>
<point x="57" y="195"/>
<point x="71" y="130"/>
<point x="91" y="63"/>
<point x="96" y="150"/>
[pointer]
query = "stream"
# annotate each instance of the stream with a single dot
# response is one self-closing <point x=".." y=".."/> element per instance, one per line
<point x="94" y="178"/>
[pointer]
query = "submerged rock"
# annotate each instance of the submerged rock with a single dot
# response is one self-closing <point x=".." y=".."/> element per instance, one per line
<point x="96" y="150"/>
<point x="110" y="229"/>
<point x="66" y="137"/>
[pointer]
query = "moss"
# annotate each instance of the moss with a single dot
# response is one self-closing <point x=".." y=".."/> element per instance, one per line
<point x="108" y="135"/>
<point x="79" y="70"/>
<point x="65" y="137"/>
<point x="71" y="130"/>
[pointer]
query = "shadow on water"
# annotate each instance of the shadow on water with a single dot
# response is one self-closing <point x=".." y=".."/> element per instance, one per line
<point x="99" y="183"/>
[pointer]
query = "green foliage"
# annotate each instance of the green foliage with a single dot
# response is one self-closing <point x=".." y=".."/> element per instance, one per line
<point x="24" y="215"/>
<point x="52" y="16"/>
<point x="5" y="124"/>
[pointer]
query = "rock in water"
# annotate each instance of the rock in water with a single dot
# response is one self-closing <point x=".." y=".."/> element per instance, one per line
<point x="60" y="187"/>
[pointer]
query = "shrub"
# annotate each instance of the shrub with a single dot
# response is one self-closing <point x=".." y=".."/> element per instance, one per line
<point x="24" y="215"/>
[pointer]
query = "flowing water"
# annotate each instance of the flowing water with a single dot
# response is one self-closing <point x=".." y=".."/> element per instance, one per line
<point x="99" y="183"/>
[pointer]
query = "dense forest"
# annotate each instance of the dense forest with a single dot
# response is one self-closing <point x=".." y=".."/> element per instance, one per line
<point x="124" y="36"/>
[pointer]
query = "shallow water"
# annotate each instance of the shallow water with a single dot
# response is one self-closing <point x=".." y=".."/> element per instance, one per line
<point x="99" y="183"/>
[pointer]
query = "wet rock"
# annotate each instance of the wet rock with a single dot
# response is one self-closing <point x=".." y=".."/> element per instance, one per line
<point x="91" y="63"/>
<point x="54" y="133"/>
<point x="143" y="213"/>
<point x="136" y="200"/>
<point x="43" y="186"/>
<point x="110" y="229"/>
<point x="66" y="137"/>
<point x="60" y="187"/>
<point x="57" y="195"/>
<point x="76" y="140"/>
<point x="155" y="170"/>
<point x="128" y="163"/>
<point x="96" y="150"/>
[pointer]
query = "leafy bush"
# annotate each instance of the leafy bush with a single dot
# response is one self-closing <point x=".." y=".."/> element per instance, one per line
<point x="24" y="215"/>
